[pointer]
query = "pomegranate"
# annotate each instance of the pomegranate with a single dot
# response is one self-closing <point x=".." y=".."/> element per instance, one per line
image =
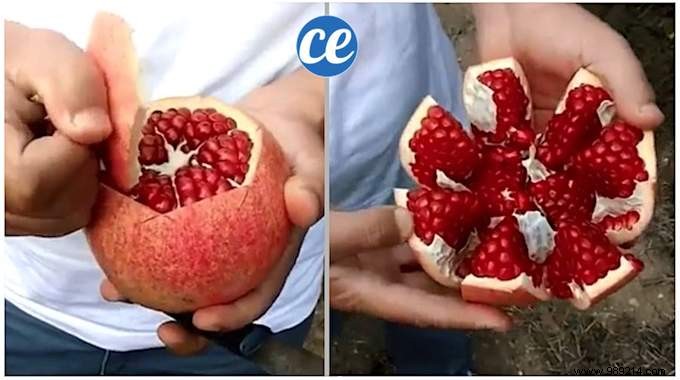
<point x="190" y="212"/>
<point x="514" y="217"/>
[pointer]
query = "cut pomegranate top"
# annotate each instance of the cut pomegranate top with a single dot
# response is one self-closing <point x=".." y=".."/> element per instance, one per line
<point x="189" y="155"/>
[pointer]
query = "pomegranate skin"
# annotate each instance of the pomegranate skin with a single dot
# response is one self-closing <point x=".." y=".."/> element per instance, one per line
<point x="516" y="295"/>
<point x="209" y="253"/>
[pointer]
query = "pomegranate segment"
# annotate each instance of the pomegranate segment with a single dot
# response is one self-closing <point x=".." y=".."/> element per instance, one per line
<point x="523" y="218"/>
<point x="441" y="144"/>
<point x="503" y="254"/>
<point x="612" y="163"/>
<point x="496" y="97"/>
<point x="512" y="122"/>
<point x="155" y="190"/>
<point x="574" y="128"/>
<point x="450" y="214"/>
<point x="589" y="295"/>
<point x="583" y="256"/>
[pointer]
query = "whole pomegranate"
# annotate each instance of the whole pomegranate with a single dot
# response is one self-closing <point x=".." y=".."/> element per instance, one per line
<point x="190" y="212"/>
<point x="513" y="217"/>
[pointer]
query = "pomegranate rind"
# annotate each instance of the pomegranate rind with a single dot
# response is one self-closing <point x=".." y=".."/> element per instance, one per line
<point x="589" y="295"/>
<point x="478" y="98"/>
<point x="519" y="291"/>
<point x="112" y="49"/>
<point x="212" y="252"/>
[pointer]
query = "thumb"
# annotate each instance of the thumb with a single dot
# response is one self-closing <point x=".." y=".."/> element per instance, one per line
<point x="615" y="63"/>
<point x="353" y="232"/>
<point x="303" y="202"/>
<point x="48" y="68"/>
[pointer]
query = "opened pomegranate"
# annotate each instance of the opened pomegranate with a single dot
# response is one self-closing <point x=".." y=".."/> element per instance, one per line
<point x="190" y="212"/>
<point x="513" y="217"/>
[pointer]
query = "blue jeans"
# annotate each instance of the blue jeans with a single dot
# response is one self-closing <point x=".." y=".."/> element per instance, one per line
<point x="421" y="351"/>
<point x="33" y="347"/>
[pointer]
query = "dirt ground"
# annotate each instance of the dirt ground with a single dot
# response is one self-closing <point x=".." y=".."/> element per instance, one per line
<point x="315" y="339"/>
<point x="635" y="327"/>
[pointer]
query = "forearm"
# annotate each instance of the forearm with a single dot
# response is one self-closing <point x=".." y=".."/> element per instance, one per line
<point x="299" y="95"/>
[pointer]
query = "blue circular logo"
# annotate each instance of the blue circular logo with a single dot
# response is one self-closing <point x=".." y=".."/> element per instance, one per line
<point x="327" y="46"/>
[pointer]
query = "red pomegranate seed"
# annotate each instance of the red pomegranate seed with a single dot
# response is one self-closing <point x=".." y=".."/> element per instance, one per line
<point x="215" y="117"/>
<point x="154" y="117"/>
<point x="169" y="114"/>
<point x="179" y="121"/>
<point x="184" y="112"/>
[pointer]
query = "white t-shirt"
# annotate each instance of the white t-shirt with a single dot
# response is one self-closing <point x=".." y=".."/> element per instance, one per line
<point x="403" y="55"/>
<point x="186" y="48"/>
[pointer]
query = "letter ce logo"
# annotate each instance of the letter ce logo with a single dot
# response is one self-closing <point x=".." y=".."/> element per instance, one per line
<point x="327" y="46"/>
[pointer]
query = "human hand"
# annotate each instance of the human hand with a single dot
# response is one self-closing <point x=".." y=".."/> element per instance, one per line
<point x="291" y="108"/>
<point x="551" y="42"/>
<point x="368" y="275"/>
<point x="50" y="171"/>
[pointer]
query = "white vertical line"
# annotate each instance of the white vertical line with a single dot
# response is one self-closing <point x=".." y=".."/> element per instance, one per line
<point x="326" y="306"/>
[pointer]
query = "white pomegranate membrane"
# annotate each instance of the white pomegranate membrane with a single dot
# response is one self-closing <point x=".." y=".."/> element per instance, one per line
<point x="512" y="217"/>
<point x="189" y="155"/>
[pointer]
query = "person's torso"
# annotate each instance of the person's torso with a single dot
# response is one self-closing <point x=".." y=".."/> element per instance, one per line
<point x="212" y="48"/>
<point x="403" y="55"/>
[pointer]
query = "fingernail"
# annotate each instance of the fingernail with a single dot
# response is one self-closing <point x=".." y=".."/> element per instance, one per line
<point x="404" y="222"/>
<point x="652" y="110"/>
<point x="93" y="118"/>
<point x="205" y="323"/>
